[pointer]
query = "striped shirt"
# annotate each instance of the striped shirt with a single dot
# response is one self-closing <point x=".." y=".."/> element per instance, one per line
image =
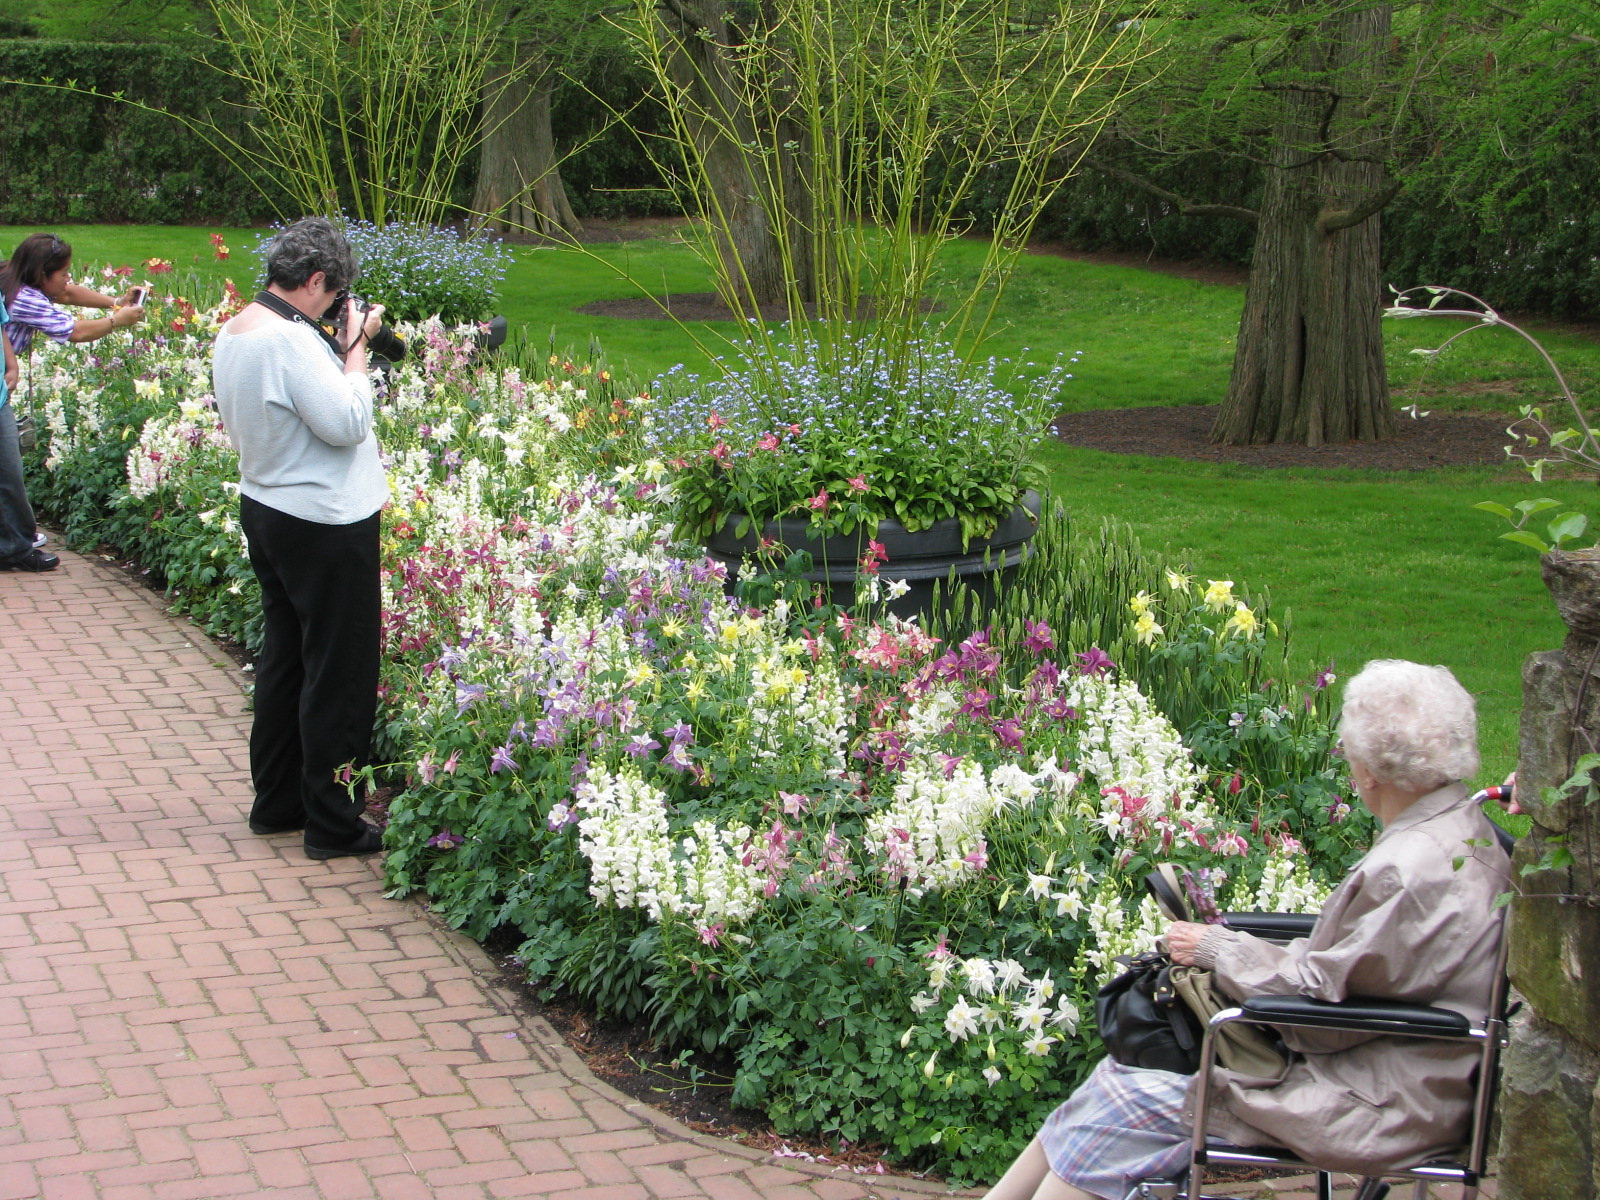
<point x="32" y="312"/>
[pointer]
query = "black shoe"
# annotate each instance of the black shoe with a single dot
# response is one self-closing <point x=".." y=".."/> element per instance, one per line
<point x="33" y="560"/>
<point x="266" y="830"/>
<point x="369" y="841"/>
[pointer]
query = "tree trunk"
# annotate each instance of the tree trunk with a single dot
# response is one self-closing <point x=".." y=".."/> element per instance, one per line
<point x="758" y="206"/>
<point x="519" y="179"/>
<point x="1309" y="363"/>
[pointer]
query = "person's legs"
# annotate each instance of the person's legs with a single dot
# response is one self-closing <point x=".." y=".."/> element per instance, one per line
<point x="16" y="515"/>
<point x="1030" y="1178"/>
<point x="276" y="760"/>
<point x="339" y="602"/>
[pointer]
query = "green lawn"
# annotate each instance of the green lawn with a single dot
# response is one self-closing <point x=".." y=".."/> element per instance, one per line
<point x="1369" y="564"/>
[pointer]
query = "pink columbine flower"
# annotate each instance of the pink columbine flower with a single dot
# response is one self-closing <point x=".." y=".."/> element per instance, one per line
<point x="819" y="502"/>
<point x="770" y="442"/>
<point x="450" y="764"/>
<point x="1232" y="845"/>
<point x="716" y="421"/>
<point x="711" y="935"/>
<point x="427" y="768"/>
<point x="858" y="483"/>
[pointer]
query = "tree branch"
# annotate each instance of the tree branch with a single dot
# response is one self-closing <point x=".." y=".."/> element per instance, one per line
<point x="1247" y="215"/>
<point x="1332" y="222"/>
<point x="1582" y="39"/>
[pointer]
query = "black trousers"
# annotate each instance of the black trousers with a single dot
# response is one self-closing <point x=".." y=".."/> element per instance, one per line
<point x="317" y="673"/>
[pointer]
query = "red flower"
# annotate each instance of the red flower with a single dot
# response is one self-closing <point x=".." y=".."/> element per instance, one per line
<point x="858" y="483"/>
<point x="716" y="421"/>
<point x="770" y="442"/>
<point x="720" y="452"/>
<point x="819" y="502"/>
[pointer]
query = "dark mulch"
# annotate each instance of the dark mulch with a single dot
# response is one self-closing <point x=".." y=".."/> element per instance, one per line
<point x="1439" y="440"/>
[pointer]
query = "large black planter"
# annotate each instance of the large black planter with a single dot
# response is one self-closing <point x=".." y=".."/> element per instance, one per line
<point x="922" y="559"/>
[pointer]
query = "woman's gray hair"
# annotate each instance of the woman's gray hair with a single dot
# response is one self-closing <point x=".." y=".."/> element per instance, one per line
<point x="1413" y="727"/>
<point x="310" y="245"/>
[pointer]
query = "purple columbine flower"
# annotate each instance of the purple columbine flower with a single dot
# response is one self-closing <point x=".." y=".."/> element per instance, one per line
<point x="1095" y="661"/>
<point x="468" y="694"/>
<point x="1009" y="732"/>
<point x="502" y="760"/>
<point x="641" y="744"/>
<point x="1040" y="637"/>
<point x="445" y="840"/>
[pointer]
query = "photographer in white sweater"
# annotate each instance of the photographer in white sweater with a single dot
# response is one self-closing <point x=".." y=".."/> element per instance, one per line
<point x="297" y="403"/>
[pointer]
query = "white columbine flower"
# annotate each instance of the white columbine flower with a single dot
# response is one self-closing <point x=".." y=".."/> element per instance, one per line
<point x="1039" y="1044"/>
<point x="992" y="1074"/>
<point x="961" y="1022"/>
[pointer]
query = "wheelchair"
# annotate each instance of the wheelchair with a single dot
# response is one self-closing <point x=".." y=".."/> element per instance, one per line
<point x="1362" y="1016"/>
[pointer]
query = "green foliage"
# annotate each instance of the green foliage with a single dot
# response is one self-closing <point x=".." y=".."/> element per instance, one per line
<point x="73" y="151"/>
<point x="417" y="271"/>
<point x="851" y="436"/>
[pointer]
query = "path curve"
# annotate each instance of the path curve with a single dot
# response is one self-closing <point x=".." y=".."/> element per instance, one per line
<point x="188" y="1011"/>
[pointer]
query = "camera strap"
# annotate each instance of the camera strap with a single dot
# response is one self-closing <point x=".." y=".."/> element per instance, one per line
<point x="290" y="313"/>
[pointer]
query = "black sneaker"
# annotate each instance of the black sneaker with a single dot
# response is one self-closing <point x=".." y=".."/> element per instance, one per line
<point x="33" y="560"/>
<point x="369" y="841"/>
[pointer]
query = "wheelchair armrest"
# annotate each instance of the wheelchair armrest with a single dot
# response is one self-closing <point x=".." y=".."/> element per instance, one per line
<point x="1285" y="926"/>
<point x="1359" y="1015"/>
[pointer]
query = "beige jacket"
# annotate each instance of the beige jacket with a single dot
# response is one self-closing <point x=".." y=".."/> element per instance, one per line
<point x="1406" y="924"/>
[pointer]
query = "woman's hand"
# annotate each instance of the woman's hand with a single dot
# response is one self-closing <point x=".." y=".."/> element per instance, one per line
<point x="121" y="321"/>
<point x="1183" y="939"/>
<point x="373" y="322"/>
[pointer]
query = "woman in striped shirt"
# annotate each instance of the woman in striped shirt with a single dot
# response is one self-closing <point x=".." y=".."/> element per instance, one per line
<point x="33" y="285"/>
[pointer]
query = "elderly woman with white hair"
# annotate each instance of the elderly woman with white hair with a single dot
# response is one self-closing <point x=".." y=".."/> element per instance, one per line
<point x="1414" y="921"/>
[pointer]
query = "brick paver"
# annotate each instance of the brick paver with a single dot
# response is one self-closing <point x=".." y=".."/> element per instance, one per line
<point x="188" y="1011"/>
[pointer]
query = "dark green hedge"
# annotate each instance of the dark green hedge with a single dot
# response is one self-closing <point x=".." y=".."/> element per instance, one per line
<point x="67" y="156"/>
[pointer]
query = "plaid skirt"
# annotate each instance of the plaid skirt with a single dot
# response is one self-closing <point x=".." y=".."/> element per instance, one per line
<point x="1124" y="1125"/>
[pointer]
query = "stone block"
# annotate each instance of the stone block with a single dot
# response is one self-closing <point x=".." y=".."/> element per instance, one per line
<point x="1547" y="1107"/>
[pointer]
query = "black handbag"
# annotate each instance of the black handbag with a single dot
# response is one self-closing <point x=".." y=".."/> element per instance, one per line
<point x="1143" y="1020"/>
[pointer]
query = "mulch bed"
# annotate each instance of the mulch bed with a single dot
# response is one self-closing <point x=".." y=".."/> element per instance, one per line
<point x="1439" y="440"/>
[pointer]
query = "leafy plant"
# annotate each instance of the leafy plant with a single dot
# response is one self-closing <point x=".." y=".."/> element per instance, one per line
<point x="417" y="270"/>
<point x="851" y="438"/>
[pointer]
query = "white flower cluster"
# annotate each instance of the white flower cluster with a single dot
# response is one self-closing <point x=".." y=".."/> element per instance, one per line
<point x="798" y="711"/>
<point x="1286" y="886"/>
<point x="1004" y="1000"/>
<point x="1113" y="933"/>
<point x="624" y="836"/>
<point x="1146" y="777"/>
<point x="931" y="835"/>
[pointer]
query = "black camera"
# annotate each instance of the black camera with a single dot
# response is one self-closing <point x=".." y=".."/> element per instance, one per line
<point x="385" y="344"/>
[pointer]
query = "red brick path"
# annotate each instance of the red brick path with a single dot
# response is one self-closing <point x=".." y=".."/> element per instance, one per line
<point x="188" y="1011"/>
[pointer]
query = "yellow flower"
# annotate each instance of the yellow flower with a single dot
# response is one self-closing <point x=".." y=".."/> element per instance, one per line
<point x="1141" y="604"/>
<point x="1219" y="595"/>
<point x="695" y="690"/>
<point x="690" y="661"/>
<point x="1177" y="580"/>
<point x="672" y="628"/>
<point x="1243" y="622"/>
<point x="1146" y="628"/>
<point x="641" y="672"/>
<point x="726" y="662"/>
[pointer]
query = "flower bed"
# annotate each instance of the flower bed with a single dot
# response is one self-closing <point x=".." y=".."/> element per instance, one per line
<point x="881" y="873"/>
